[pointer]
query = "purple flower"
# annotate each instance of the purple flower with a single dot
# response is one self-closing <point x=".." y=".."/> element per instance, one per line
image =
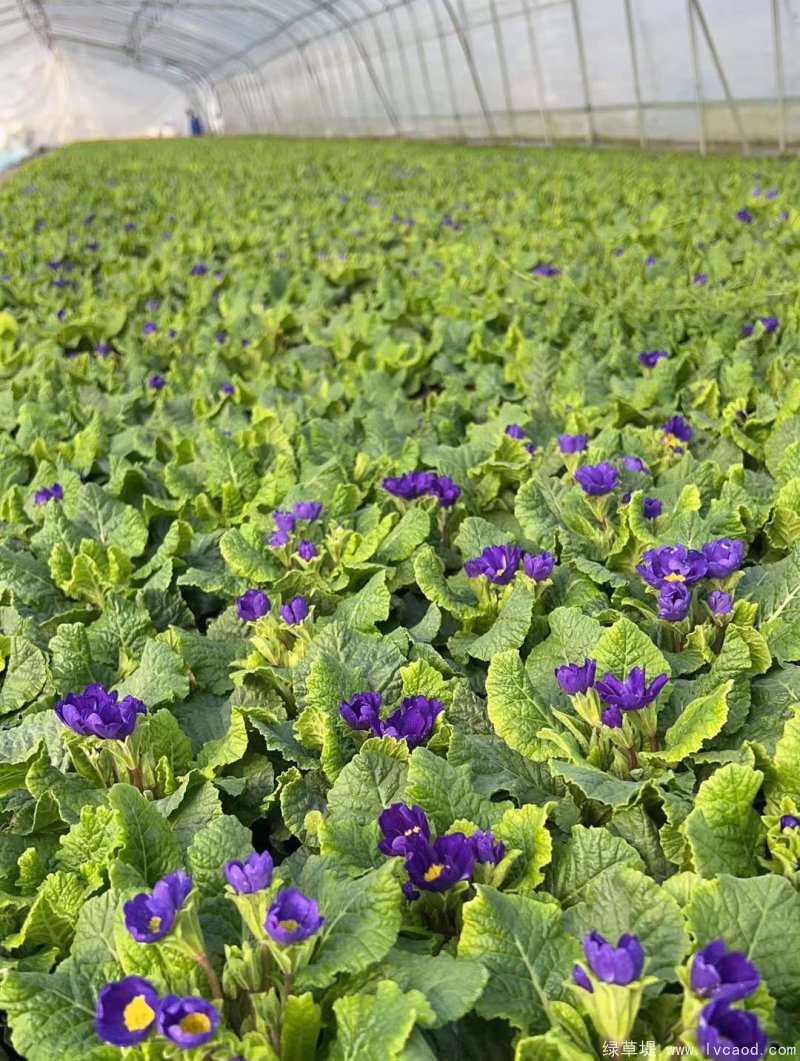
<point x="515" y="431"/>
<point x="308" y="510"/>
<point x="97" y="713"/>
<point x="700" y="279"/>
<point x="546" y="270"/>
<point x="597" y="479"/>
<point x="152" y="303"/>
<point x="252" y="605"/>
<point x="672" y="563"/>
<point x="650" y="358"/>
<point x="531" y="448"/>
<point x="573" y="443"/>
<point x="412" y="722"/>
<point x="632" y="694"/>
<point x="156" y="382"/>
<point x="61" y="314"/>
<point x="49" y="493"/>
<point x="410" y="485"/>
<point x="485" y="848"/>
<point x="126" y="1011"/>
<point x="614" y="965"/>
<point x="400" y="825"/>
<point x="772" y="193"/>
<point x="361" y="710"/>
<point x="252" y="875"/>
<point x="726" y="1032"/>
<point x="446" y="490"/>
<point x="149" y="328"/>
<point x="189" y="1021"/>
<point x="438" y="866"/>
<point x="278" y="538"/>
<point x="284" y="521"/>
<point x="306" y="550"/>
<point x="650" y="260"/>
<point x="198" y="270"/>
<point x="720" y="602"/>
<point x="723" y="557"/>
<point x="674" y="602"/>
<point x="295" y="611"/>
<point x="129" y="226"/>
<point x="220" y="337"/>
<point x="581" y="979"/>
<point x="770" y="324"/>
<point x="651" y="508"/>
<point x="788" y="821"/>
<point x="293" y="917"/>
<point x="576" y="678"/>
<point x="228" y="388"/>
<point x="102" y="349"/>
<point x="498" y="563"/>
<point x="744" y="216"/>
<point x="538" y="566"/>
<point x="618" y="252"/>
<point x="611" y="717"/>
<point x="723" y="975"/>
<point x="676" y="430"/>
<point x="149" y="917"/>
<point x="633" y="464"/>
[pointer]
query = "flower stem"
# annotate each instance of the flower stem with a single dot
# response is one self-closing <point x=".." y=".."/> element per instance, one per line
<point x="213" y="981"/>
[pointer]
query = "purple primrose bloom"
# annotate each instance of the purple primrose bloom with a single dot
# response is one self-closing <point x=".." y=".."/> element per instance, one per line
<point x="770" y="324"/>
<point x="361" y="710"/>
<point x="672" y="563"/>
<point x="538" y="566"/>
<point x="293" y="917"/>
<point x="744" y="216"/>
<point x="650" y="358"/>
<point x="412" y="722"/>
<point x="597" y="479"/>
<point x="156" y="382"/>
<point x="576" y="678"/>
<point x="726" y="1032"/>
<point x="97" y="713"/>
<point x="438" y="866"/>
<point x="252" y="875"/>
<point x="614" y="965"/>
<point x="676" y="430"/>
<point x="126" y="1011"/>
<point x="306" y="550"/>
<point x="723" y="557"/>
<point x="188" y="1022"/>
<point x="399" y="825"/>
<point x="150" y="916"/>
<point x="720" y="602"/>
<point x="284" y="521"/>
<point x="410" y="485"/>
<point x="307" y="510"/>
<point x="295" y="611"/>
<point x="633" y="464"/>
<point x="446" y="490"/>
<point x="674" y="602"/>
<point x="252" y="605"/>
<point x="721" y="974"/>
<point x="573" y="443"/>
<point x="611" y="717"/>
<point x="515" y="431"/>
<point x="789" y="821"/>
<point x="633" y="693"/>
<point x="498" y="563"/>
<point x="49" y="493"/>
<point x="485" y="848"/>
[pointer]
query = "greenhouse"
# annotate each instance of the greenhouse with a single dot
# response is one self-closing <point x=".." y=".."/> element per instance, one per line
<point x="399" y="530"/>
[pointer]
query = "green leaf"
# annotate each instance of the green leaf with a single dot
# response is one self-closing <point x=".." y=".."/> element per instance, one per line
<point x="522" y="944"/>
<point x="622" y="899"/>
<point x="523" y="829"/>
<point x="783" y="778"/>
<point x="623" y="647"/>
<point x="149" y="847"/>
<point x="513" y="708"/>
<point x="446" y="794"/>
<point x="50" y="922"/>
<point x="300" y="1026"/>
<point x="411" y="531"/>
<point x="507" y="631"/>
<point x="362" y="919"/>
<point x="102" y="519"/>
<point x="598" y="785"/>
<point x="373" y="779"/>
<point x="230" y="748"/>
<point x="52" y="1015"/>
<point x="723" y="829"/>
<point x="586" y="855"/>
<point x="160" y="677"/>
<point x="451" y="986"/>
<point x="700" y="721"/>
<point x="454" y="597"/>
<point x="375" y="1027"/>
<point x="91" y="844"/>
<point x="222" y="840"/>
<point x="25" y="675"/>
<point x="370" y="605"/>
<point x="775" y="588"/>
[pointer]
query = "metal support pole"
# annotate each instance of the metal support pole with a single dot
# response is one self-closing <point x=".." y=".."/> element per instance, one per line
<point x="501" y="58"/>
<point x="587" y="100"/>
<point x="635" y="67"/>
<point x="737" y="118"/>
<point x="422" y="59"/>
<point x="536" y="66"/>
<point x="376" y="83"/>
<point x="448" y="69"/>
<point x="780" y="85"/>
<point x="698" y="85"/>
<point x="473" y="69"/>
<point x="401" y="53"/>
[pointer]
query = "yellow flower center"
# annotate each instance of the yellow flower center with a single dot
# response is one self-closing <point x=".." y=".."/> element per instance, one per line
<point x="288" y="926"/>
<point x="671" y="440"/>
<point x="674" y="577"/>
<point x="195" y="1024"/>
<point x="138" y="1015"/>
<point x="433" y="873"/>
<point x="413" y="829"/>
<point x="154" y="924"/>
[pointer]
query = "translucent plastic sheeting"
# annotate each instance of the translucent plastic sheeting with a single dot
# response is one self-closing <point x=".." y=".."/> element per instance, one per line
<point x="703" y="72"/>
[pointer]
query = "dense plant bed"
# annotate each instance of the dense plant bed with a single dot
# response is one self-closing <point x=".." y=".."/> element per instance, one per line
<point x="426" y="521"/>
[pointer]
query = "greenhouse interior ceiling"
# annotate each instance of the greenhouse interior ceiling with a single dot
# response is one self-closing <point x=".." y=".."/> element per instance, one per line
<point x="704" y="73"/>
